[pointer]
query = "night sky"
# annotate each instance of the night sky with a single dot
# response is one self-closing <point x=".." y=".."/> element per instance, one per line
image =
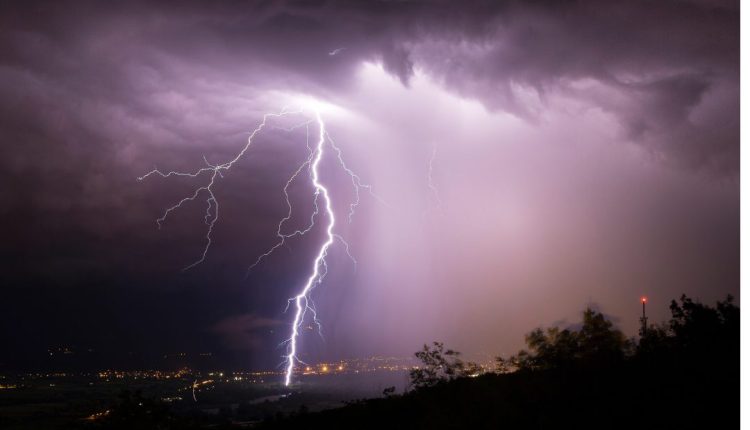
<point x="582" y="153"/>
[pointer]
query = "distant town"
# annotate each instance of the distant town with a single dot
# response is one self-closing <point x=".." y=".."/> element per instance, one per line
<point x="324" y="385"/>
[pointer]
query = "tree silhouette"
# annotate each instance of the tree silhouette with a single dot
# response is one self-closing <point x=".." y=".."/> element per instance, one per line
<point x="683" y="374"/>
<point x="439" y="364"/>
<point x="596" y="343"/>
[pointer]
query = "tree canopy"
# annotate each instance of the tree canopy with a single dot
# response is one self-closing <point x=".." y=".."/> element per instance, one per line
<point x="596" y="343"/>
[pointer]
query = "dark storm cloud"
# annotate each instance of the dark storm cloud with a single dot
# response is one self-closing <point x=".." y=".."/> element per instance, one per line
<point x="93" y="94"/>
<point x="649" y="63"/>
<point x="653" y="62"/>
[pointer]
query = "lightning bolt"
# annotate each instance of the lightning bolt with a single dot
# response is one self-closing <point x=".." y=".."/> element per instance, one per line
<point x="431" y="180"/>
<point x="302" y="301"/>
<point x="437" y="203"/>
<point x="211" y="217"/>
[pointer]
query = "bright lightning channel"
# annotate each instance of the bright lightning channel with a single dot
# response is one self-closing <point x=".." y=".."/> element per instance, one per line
<point x="437" y="203"/>
<point x="431" y="180"/>
<point x="302" y="301"/>
<point x="303" y="296"/>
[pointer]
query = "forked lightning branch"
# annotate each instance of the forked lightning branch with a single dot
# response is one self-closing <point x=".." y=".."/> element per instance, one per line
<point x="321" y="211"/>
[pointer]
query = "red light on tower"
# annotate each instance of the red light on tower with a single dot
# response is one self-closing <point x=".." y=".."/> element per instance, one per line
<point x="644" y="299"/>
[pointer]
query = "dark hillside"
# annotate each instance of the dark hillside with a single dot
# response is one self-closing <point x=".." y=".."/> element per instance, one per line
<point x="682" y="375"/>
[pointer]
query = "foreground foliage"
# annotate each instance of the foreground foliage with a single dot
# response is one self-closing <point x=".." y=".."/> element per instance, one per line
<point x="684" y="374"/>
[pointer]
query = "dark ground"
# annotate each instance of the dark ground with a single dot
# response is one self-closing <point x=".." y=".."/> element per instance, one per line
<point x="681" y="375"/>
